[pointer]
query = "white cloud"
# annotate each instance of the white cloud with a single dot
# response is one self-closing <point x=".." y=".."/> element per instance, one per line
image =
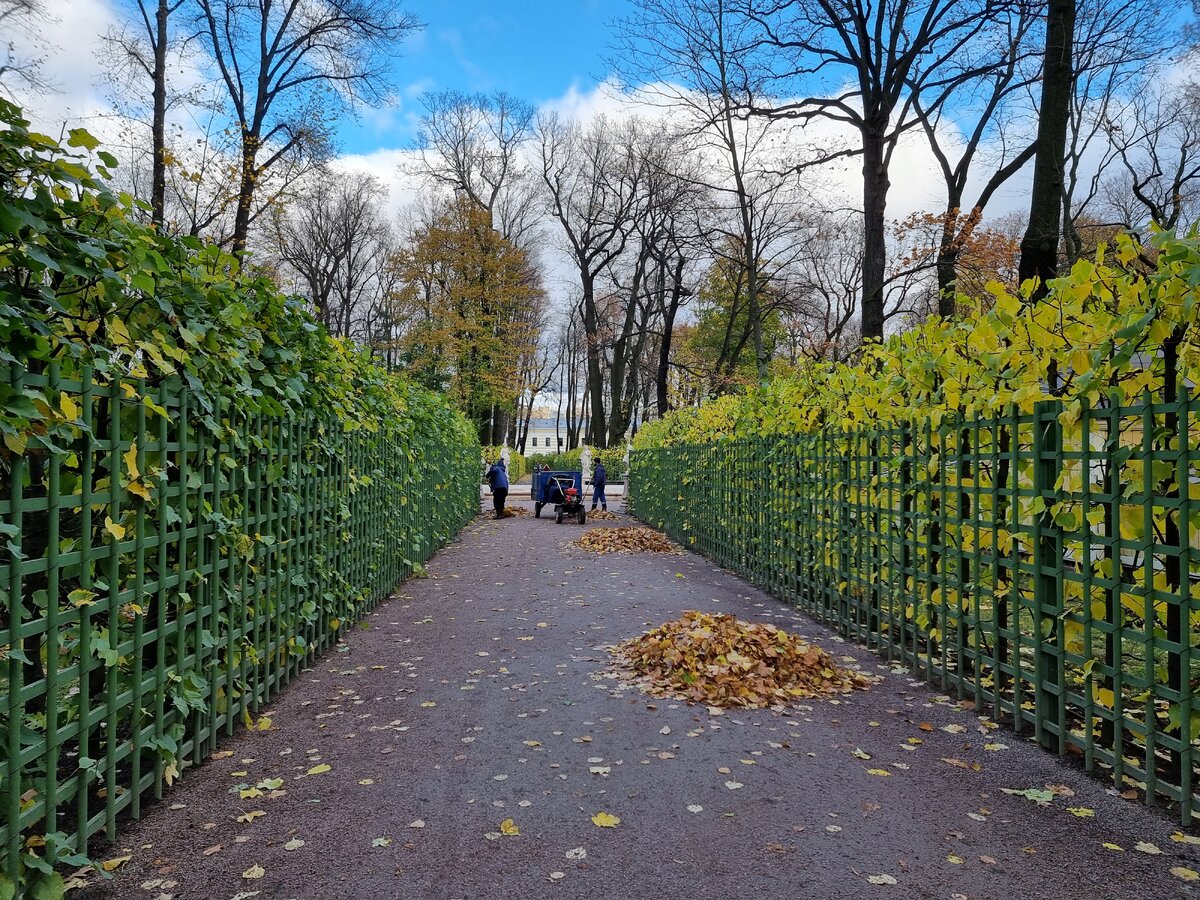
<point x="392" y="167"/>
<point x="72" y="31"/>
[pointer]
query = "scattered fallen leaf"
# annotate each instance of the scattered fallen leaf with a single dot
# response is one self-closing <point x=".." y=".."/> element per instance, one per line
<point x="320" y="769"/>
<point x="1081" y="811"/>
<point x="293" y="844"/>
<point x="882" y="773"/>
<point x="381" y="842"/>
<point x="881" y="879"/>
<point x="111" y="865"/>
<point x="255" y="871"/>
<point x="695" y="808"/>
<point x="417" y="823"/>
<point x="957" y="860"/>
<point x="733" y="785"/>
<point x="509" y="828"/>
<point x="577" y="854"/>
<point x="606" y="820"/>
<point x="249" y="817"/>
<point x="1185" y="873"/>
<point x="1110" y="846"/>
<point x="1042" y="798"/>
<point x="1147" y="847"/>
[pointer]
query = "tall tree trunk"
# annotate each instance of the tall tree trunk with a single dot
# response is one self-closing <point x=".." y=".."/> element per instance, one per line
<point x="761" y="359"/>
<point x="1039" y="247"/>
<point x="875" y="191"/>
<point x="664" y="346"/>
<point x="158" y="182"/>
<point x="596" y="431"/>
<point x="241" y="221"/>
<point x="947" y="258"/>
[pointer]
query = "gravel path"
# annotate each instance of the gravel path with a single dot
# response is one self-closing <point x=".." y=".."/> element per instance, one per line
<point x="480" y="694"/>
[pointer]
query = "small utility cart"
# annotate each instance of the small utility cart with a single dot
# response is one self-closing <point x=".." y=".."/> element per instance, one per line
<point x="562" y="490"/>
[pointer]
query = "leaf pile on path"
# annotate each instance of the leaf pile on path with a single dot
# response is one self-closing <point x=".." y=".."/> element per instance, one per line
<point x="603" y="515"/>
<point x="513" y="511"/>
<point x="629" y="539"/>
<point x="723" y="661"/>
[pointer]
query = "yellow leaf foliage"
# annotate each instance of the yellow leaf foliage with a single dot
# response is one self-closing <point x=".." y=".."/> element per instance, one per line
<point x="723" y="661"/>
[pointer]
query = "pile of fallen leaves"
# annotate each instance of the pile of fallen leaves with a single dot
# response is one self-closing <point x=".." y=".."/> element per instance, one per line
<point x="511" y="511"/>
<point x="722" y="661"/>
<point x="604" y="515"/>
<point x="629" y="539"/>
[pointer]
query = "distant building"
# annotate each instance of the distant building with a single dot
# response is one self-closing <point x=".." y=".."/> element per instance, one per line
<point x="548" y="436"/>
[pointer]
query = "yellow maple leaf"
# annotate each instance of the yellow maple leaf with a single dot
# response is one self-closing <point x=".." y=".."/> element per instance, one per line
<point x="606" y="820"/>
<point x="509" y="827"/>
<point x="113" y="528"/>
<point x="70" y="409"/>
<point x="130" y="457"/>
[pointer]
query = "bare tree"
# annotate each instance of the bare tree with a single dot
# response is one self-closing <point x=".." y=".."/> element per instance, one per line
<point x="473" y="143"/>
<point x="22" y="50"/>
<point x="868" y="66"/>
<point x="1156" y="137"/>
<point x="143" y="50"/>
<point x="288" y="67"/>
<point x="825" y="285"/>
<point x="649" y="280"/>
<point x="1119" y="47"/>
<point x="334" y="240"/>
<point x="978" y="111"/>
<point x="708" y="48"/>
<point x="592" y="178"/>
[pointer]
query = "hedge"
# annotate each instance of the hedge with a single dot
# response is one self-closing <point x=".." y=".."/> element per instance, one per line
<point x="200" y="490"/>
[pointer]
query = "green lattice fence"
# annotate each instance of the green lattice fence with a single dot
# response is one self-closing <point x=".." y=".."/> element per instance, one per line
<point x="1040" y="563"/>
<point x="158" y="585"/>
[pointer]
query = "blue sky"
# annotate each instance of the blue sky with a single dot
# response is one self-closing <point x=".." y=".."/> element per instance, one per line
<point x="533" y="49"/>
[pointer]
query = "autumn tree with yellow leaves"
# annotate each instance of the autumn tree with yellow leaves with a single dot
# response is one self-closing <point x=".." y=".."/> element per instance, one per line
<point x="470" y="302"/>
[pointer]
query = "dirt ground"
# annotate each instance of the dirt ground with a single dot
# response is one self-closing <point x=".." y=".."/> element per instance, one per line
<point x="484" y="693"/>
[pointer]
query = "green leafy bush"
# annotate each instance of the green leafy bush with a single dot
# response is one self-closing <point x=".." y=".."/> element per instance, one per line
<point x="200" y="490"/>
<point x="572" y="460"/>
<point x="1009" y="503"/>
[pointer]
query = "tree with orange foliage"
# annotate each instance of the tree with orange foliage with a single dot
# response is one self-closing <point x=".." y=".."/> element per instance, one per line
<point x="469" y="301"/>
